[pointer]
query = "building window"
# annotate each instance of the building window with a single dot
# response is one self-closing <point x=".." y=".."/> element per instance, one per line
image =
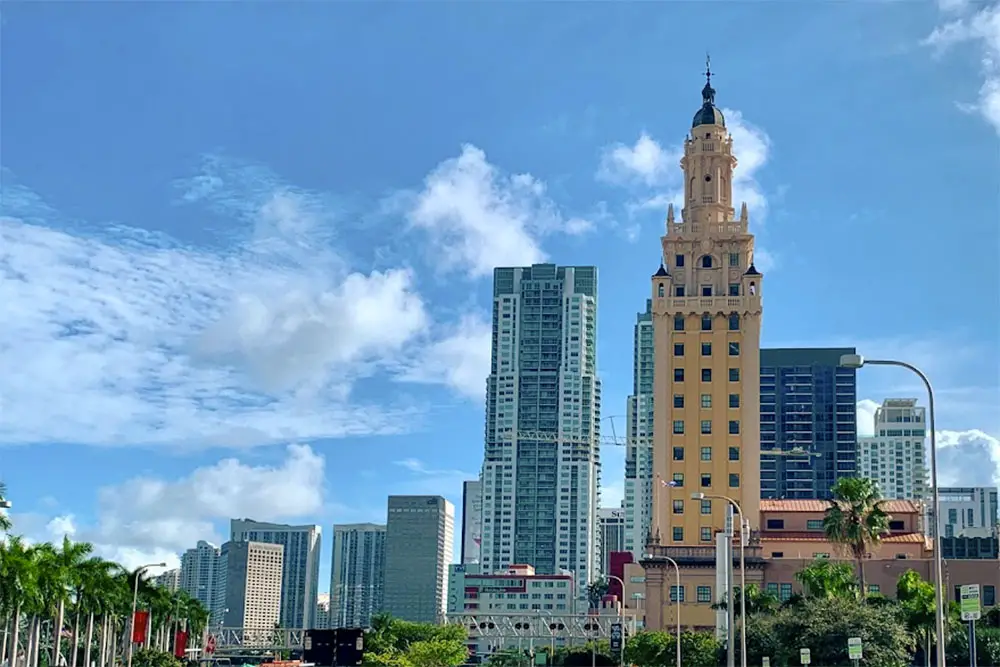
<point x="734" y="289"/>
<point x="660" y="291"/>
<point x="678" y="400"/>
<point x="734" y="427"/>
<point x="786" y="593"/>
<point x="734" y="480"/>
<point x="679" y="260"/>
<point x="734" y="400"/>
<point x="704" y="594"/>
<point x="897" y="525"/>
<point x="734" y="321"/>
<point x="989" y="595"/>
<point x="874" y="589"/>
<point x="677" y="593"/>
<point x="679" y="426"/>
<point x="678" y="349"/>
<point x="772" y="589"/>
<point x="706" y="322"/>
<point x="679" y="290"/>
<point x="678" y="322"/>
<point x="678" y="534"/>
<point x="706" y="506"/>
<point x="734" y="259"/>
<point x="706" y="534"/>
<point x="814" y="524"/>
<point x="678" y="375"/>
<point x="706" y="374"/>
<point x="706" y="262"/>
<point x="679" y="478"/>
<point x="706" y="426"/>
<point x="678" y="453"/>
<point x="775" y="524"/>
<point x="706" y="453"/>
<point x="734" y="349"/>
<point x="706" y="290"/>
<point x="778" y="554"/>
<point x="734" y="375"/>
<point x="706" y="400"/>
<point x="734" y="453"/>
<point x="706" y="479"/>
<point x="678" y="507"/>
<point x="706" y="349"/>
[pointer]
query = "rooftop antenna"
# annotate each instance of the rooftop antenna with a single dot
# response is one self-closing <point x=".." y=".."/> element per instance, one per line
<point x="708" y="67"/>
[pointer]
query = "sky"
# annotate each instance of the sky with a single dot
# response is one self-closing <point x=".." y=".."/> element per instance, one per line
<point x="246" y="248"/>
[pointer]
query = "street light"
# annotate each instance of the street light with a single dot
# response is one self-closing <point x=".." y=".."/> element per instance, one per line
<point x="856" y="361"/>
<point x="621" y="618"/>
<point x="677" y="604"/>
<point x="135" y="600"/>
<point x="743" y="573"/>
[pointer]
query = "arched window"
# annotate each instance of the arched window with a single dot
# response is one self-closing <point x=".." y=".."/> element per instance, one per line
<point x="706" y="322"/>
<point x="706" y="262"/>
<point x="678" y="322"/>
<point x="659" y="290"/>
<point x="691" y="188"/>
<point x="734" y="321"/>
<point x="753" y="289"/>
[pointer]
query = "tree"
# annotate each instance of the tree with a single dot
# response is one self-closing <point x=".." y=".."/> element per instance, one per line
<point x="698" y="649"/>
<point x="916" y="601"/>
<point x="824" y="578"/>
<point x="758" y="601"/>
<point x="596" y="591"/>
<point x="509" y="658"/>
<point x="856" y="520"/>
<point x="5" y="523"/>
<point x="437" y="653"/>
<point x="392" y="642"/>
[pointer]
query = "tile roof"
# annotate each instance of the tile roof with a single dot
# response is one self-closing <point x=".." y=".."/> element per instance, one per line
<point x="795" y="536"/>
<point x="890" y="506"/>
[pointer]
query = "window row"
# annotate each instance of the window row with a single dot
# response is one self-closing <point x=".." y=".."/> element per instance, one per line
<point x="706" y="453"/>
<point x="706" y="261"/>
<point x="707" y="534"/>
<point x="706" y="349"/>
<point x="706" y="480"/>
<point x="706" y="375"/>
<point x="703" y="594"/>
<point x="706" y="427"/>
<point x="706" y="290"/>
<point x="706" y="322"/>
<point x="706" y="400"/>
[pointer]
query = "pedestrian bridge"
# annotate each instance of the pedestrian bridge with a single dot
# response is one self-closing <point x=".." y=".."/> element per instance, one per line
<point x="234" y="640"/>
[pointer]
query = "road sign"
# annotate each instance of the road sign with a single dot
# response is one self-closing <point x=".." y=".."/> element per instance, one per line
<point x="804" y="656"/>
<point x="854" y="648"/>
<point x="616" y="637"/>
<point x="765" y="662"/>
<point x="969" y="602"/>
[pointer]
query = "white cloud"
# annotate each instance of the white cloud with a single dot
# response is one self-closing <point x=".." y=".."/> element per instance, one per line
<point x="968" y="458"/>
<point x="479" y="218"/>
<point x="646" y="162"/>
<point x="866" y="417"/>
<point x="460" y="360"/>
<point x="981" y="28"/>
<point x="612" y="494"/>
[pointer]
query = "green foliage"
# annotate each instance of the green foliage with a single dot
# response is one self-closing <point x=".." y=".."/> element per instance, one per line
<point x="509" y="658"/>
<point x="581" y="656"/>
<point x="152" y="658"/>
<point x="395" y="643"/>
<point x="856" y="519"/>
<point x="698" y="649"/>
<point x="596" y="591"/>
<point x="757" y="602"/>
<point x="824" y="578"/>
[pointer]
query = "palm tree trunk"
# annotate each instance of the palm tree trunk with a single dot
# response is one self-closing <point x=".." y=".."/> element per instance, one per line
<point x="57" y="634"/>
<point x="15" y="635"/>
<point x="76" y="634"/>
<point x="3" y="645"/>
<point x="861" y="576"/>
<point x="29" y="643"/>
<point x="38" y="641"/>
<point x="90" y="639"/>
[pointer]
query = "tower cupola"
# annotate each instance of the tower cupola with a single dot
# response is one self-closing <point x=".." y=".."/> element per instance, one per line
<point x="708" y="114"/>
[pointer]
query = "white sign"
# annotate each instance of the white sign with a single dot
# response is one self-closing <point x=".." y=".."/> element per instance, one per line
<point x="854" y="648"/>
<point x="765" y="662"/>
<point x="804" y="656"/>
<point x="968" y="602"/>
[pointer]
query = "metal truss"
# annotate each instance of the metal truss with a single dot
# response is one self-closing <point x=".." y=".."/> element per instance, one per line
<point x="540" y="626"/>
<point x="270" y="639"/>
<point x="554" y="437"/>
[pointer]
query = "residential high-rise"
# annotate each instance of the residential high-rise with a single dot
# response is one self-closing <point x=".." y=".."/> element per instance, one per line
<point x="357" y="578"/>
<point x="639" y="446"/>
<point x="321" y="619"/>
<point x="611" y="522"/>
<point x="419" y="546"/>
<point x="968" y="511"/>
<point x="198" y="572"/>
<point x="251" y="593"/>
<point x="808" y="403"/>
<point x="472" y="521"/>
<point x="300" y="582"/>
<point x="895" y="457"/>
<point x="171" y="579"/>
<point x="707" y="307"/>
<point x="541" y="467"/>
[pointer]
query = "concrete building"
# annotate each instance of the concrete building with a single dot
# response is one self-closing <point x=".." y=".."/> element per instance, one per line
<point x="250" y="585"/>
<point x="171" y="580"/>
<point x="472" y="521"/>
<point x="357" y="577"/>
<point x="968" y="511"/>
<point x="896" y="456"/>
<point x="807" y="403"/>
<point x="419" y="546"/>
<point x="300" y="582"/>
<point x="707" y="307"/>
<point x="198" y="572"/>
<point x="322" y="619"/>
<point x="541" y="467"/>
<point x="611" y="523"/>
<point x="639" y="446"/>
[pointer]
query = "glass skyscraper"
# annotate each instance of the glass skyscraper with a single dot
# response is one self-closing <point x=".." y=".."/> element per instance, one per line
<point x="639" y="446"/>
<point x="542" y="455"/>
<point x="806" y="401"/>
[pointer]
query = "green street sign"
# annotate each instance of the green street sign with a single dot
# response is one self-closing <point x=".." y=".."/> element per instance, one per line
<point x="968" y="603"/>
<point x="854" y="648"/>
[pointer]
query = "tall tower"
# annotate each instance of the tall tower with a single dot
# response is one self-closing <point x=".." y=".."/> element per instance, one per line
<point x="639" y="447"/>
<point x="706" y="342"/>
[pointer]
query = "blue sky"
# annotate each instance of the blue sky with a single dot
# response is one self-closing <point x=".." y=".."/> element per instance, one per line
<point x="245" y="250"/>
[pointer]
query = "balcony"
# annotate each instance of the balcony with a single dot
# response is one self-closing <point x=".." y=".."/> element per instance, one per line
<point x="697" y="556"/>
<point x="707" y="304"/>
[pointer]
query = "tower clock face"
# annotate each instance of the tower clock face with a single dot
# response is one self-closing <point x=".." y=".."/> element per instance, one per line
<point x="708" y="179"/>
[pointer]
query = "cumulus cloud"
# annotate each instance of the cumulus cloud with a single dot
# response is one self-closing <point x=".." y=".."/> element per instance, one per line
<point x="461" y="359"/>
<point x="982" y="29"/>
<point x="968" y="458"/>
<point x="645" y="162"/>
<point x="479" y="218"/>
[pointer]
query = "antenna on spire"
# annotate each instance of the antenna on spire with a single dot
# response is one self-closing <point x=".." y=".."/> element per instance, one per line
<point x="708" y="68"/>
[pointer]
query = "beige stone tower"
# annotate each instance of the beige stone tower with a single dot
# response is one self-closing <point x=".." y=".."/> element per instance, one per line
<point x="706" y="334"/>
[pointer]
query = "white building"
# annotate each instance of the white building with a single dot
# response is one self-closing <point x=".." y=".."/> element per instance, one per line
<point x="419" y="546"/>
<point x="250" y="585"/>
<point x="198" y="572"/>
<point x="321" y="619"/>
<point x="171" y="579"/>
<point x="638" y="502"/>
<point x="896" y="456"/>
<point x="472" y="521"/>
<point x="300" y="583"/>
<point x="357" y="574"/>
<point x="611" y="521"/>
<point x="541" y="466"/>
<point x="968" y="511"/>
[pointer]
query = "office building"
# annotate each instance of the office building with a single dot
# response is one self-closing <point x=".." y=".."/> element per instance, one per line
<point x="472" y="521"/>
<point x="895" y="457"/>
<point x="322" y="619"/>
<point x="250" y="585"/>
<point x="419" y="546"/>
<point x="968" y="511"/>
<point x="198" y="572"/>
<point x="171" y="580"/>
<point x="639" y="446"/>
<point x="808" y="418"/>
<point x="707" y="307"/>
<point x="300" y="583"/>
<point x="541" y="467"/>
<point x="611" y="523"/>
<point x="357" y="579"/>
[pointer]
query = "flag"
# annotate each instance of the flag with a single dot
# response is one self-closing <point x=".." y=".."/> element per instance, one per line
<point x="139" y="627"/>
<point x="180" y="644"/>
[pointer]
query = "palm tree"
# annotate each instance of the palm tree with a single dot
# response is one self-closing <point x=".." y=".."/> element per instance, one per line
<point x="824" y="578"/>
<point x="758" y="601"/>
<point x="67" y="561"/>
<point x="856" y="520"/>
<point x="17" y="580"/>
<point x="5" y="523"/>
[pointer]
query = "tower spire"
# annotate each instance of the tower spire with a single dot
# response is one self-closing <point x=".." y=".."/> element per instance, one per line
<point x="708" y="93"/>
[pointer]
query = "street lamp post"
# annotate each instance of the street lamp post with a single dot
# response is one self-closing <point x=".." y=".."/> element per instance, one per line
<point x="135" y="600"/>
<point x="621" y="618"/>
<point x="857" y="361"/>
<point x="677" y="604"/>
<point x="743" y="576"/>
